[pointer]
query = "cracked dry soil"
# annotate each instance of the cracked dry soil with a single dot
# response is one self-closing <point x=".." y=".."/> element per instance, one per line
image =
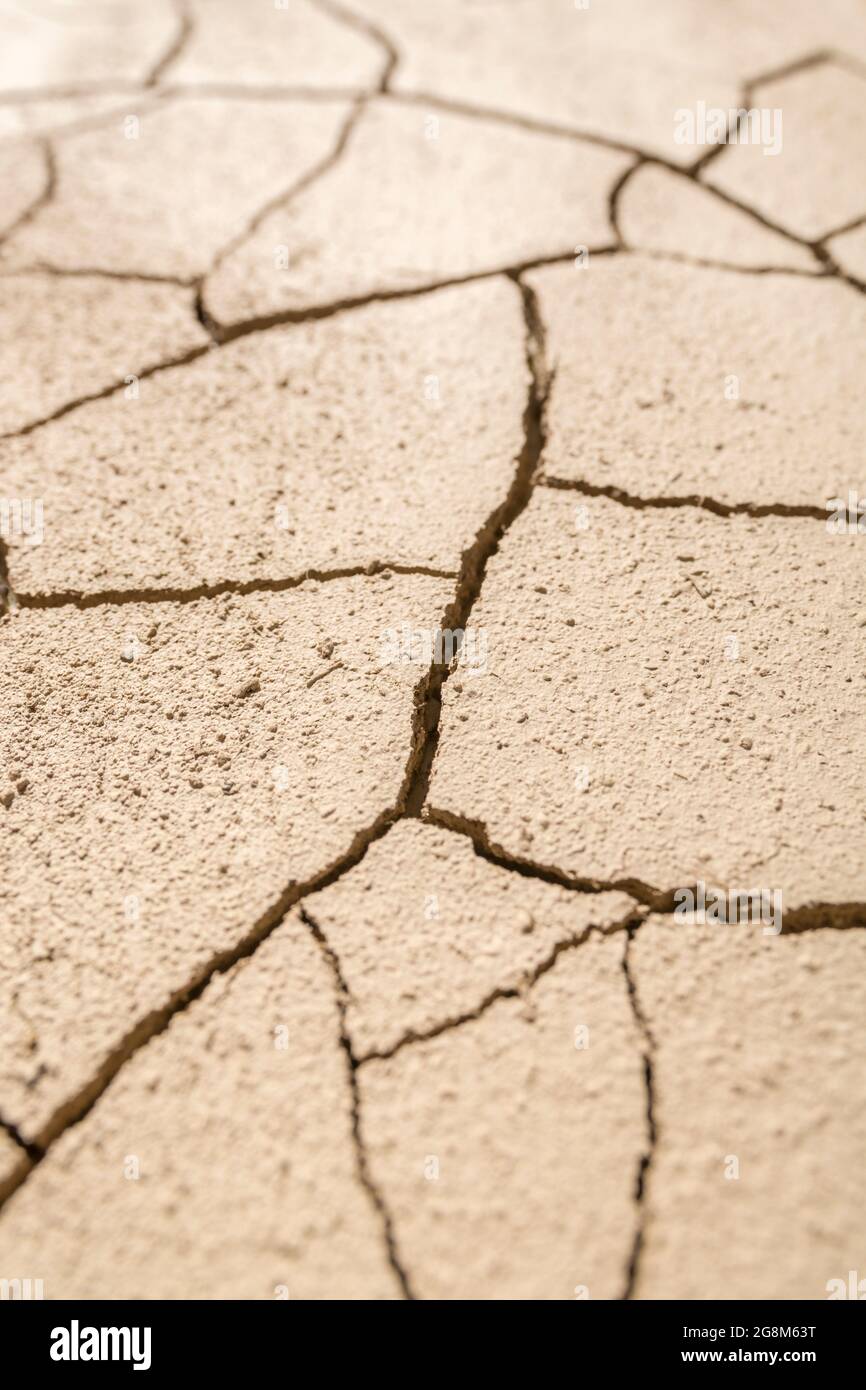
<point x="330" y="329"/>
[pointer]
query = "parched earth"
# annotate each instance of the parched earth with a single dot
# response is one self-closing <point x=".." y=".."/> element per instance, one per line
<point x="433" y="590"/>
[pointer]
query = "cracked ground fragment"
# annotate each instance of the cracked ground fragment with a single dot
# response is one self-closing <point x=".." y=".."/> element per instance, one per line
<point x="506" y="1148"/>
<point x="668" y="696"/>
<point x="56" y="44"/>
<point x="159" y="799"/>
<point x="242" y="1109"/>
<point x="426" y="932"/>
<point x="297" y="44"/>
<point x="758" y="1058"/>
<point x="662" y="212"/>
<point x="817" y="180"/>
<point x="447" y="193"/>
<point x="618" y="69"/>
<point x="118" y="204"/>
<point x="385" y="435"/>
<point x="84" y="333"/>
<point x="681" y="381"/>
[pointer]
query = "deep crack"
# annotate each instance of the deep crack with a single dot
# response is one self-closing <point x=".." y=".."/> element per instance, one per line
<point x="31" y="1151"/>
<point x="222" y="334"/>
<point x="428" y="693"/>
<point x="412" y="797"/>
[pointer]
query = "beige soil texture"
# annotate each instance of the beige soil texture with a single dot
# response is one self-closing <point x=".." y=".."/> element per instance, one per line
<point x="432" y="650"/>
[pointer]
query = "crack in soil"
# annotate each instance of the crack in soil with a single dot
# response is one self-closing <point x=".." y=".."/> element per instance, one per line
<point x="428" y="693"/>
<point x="850" y="226"/>
<point x="645" y="1161"/>
<point x="61" y="272"/>
<point x="485" y="848"/>
<point x="233" y="332"/>
<point x="182" y="360"/>
<point x="6" y="596"/>
<point x="365" y="1176"/>
<point x="709" y="504"/>
<point x="749" y="88"/>
<point x="362" y="25"/>
<point x="242" y="328"/>
<point x="32" y="1151"/>
<point x="704" y="263"/>
<point x="828" y="266"/>
<point x="280" y="200"/>
<point x="75" y="598"/>
<point x="183" y="33"/>
<point x="519" y="990"/>
<point x="222" y="334"/>
<point x="823" y="916"/>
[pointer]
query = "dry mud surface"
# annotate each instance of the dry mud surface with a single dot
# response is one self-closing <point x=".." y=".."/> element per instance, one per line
<point x="422" y="613"/>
